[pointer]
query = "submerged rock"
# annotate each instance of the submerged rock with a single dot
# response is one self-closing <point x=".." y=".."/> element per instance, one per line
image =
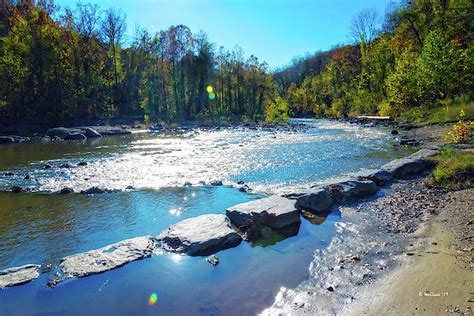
<point x="213" y="260"/>
<point x="253" y="217"/>
<point x="200" y="236"/>
<point x="82" y="164"/>
<point x="108" y="257"/>
<point x="18" y="275"/>
<point x="417" y="162"/>
<point x="216" y="183"/>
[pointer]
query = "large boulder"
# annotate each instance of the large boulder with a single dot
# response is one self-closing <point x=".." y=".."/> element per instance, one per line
<point x="255" y="217"/>
<point x="18" y="275"/>
<point x="108" y="257"/>
<point x="315" y="201"/>
<point x="415" y="163"/>
<point x="200" y="236"/>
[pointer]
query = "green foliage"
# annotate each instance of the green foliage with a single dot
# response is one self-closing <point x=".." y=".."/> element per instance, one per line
<point x="421" y="61"/>
<point x="276" y="111"/>
<point x="75" y="66"/>
<point x="438" y="68"/>
<point x="454" y="170"/>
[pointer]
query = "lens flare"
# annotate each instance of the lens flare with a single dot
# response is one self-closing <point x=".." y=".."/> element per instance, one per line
<point x="212" y="96"/>
<point x="210" y="89"/>
<point x="152" y="299"/>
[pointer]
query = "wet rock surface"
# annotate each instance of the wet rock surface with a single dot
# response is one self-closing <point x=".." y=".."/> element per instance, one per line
<point x="273" y="212"/>
<point x="18" y="275"/>
<point x="316" y="201"/>
<point x="200" y="236"/>
<point x="107" y="258"/>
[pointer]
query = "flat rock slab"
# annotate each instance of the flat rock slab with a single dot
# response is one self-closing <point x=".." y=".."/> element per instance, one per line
<point x="275" y="212"/>
<point x="351" y="189"/>
<point x="18" y="275"/>
<point x="108" y="257"/>
<point x="200" y="236"/>
<point x="415" y="163"/>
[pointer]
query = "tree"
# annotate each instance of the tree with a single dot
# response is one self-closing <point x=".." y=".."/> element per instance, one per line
<point x="365" y="26"/>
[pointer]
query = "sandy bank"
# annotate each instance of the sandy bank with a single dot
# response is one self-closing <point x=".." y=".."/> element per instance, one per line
<point x="437" y="275"/>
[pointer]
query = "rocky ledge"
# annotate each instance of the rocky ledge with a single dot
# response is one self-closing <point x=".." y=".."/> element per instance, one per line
<point x="84" y="132"/>
<point x="403" y="167"/>
<point x="18" y="275"/>
<point x="200" y="236"/>
<point x="107" y="258"/>
<point x="255" y="217"/>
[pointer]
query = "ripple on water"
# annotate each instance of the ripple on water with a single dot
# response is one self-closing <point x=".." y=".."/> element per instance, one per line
<point x="267" y="160"/>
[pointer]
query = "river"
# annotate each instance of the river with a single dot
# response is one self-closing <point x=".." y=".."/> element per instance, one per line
<point x="149" y="172"/>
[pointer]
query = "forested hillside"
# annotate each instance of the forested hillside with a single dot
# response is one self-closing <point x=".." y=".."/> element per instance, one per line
<point x="58" y="65"/>
<point x="415" y="59"/>
<point x="61" y="64"/>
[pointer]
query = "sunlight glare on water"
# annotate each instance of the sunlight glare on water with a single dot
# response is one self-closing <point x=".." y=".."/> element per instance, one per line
<point x="268" y="160"/>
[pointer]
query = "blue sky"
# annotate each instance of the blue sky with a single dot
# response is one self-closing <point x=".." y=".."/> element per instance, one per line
<point x="275" y="31"/>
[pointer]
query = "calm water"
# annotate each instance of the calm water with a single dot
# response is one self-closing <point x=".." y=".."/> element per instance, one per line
<point x="43" y="227"/>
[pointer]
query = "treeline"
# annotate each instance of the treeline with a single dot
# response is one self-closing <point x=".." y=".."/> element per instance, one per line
<point x="418" y="57"/>
<point x="61" y="65"/>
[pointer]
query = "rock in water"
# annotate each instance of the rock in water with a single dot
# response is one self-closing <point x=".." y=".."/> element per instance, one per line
<point x="417" y="162"/>
<point x="7" y="140"/>
<point x="17" y="189"/>
<point x="351" y="189"/>
<point x="90" y="132"/>
<point x="66" y="190"/>
<point x="213" y="260"/>
<point x="18" y="275"/>
<point x="253" y="217"/>
<point x="200" y="236"/>
<point x="316" y="201"/>
<point x="75" y="136"/>
<point x="108" y="257"/>
<point x="93" y="190"/>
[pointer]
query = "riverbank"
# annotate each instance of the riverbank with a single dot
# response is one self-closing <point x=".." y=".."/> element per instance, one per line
<point x="438" y="277"/>
<point x="409" y="239"/>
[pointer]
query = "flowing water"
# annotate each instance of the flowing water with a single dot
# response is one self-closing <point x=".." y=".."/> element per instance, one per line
<point x="149" y="172"/>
